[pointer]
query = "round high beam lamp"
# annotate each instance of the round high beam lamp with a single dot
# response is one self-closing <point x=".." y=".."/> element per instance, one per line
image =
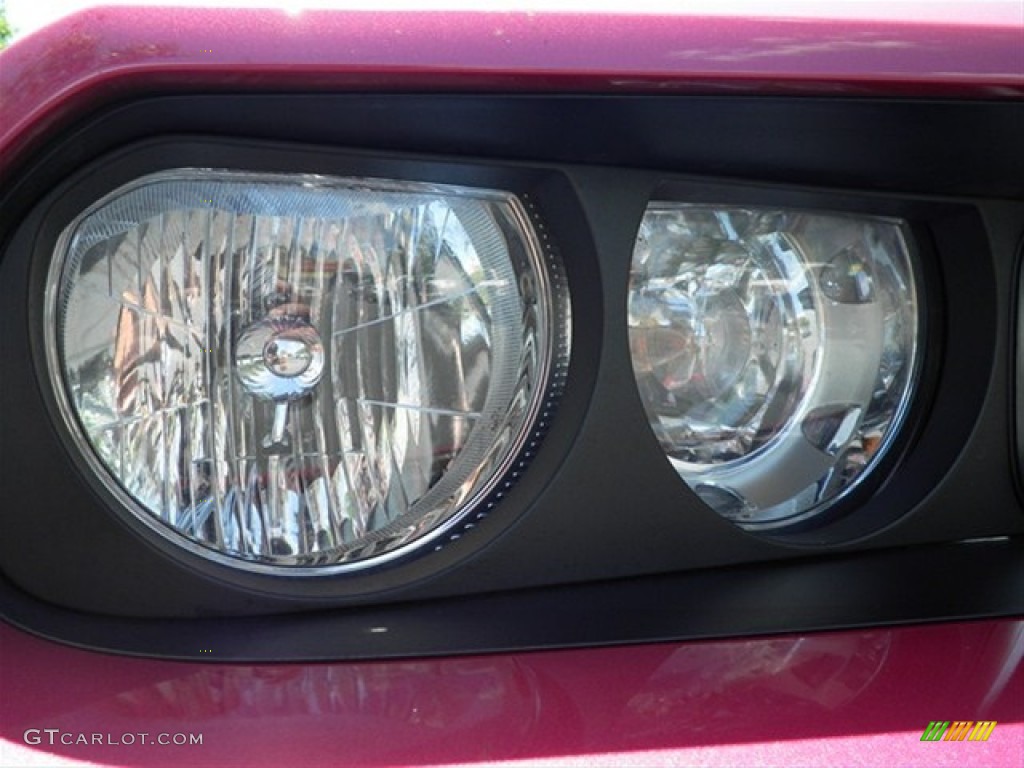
<point x="304" y="375"/>
<point x="775" y="351"/>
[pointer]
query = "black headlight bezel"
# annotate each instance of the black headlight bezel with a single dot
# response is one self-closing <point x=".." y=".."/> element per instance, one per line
<point x="640" y="525"/>
<point x="107" y="174"/>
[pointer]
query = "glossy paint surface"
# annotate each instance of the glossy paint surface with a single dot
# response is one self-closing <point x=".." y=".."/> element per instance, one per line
<point x="849" y="698"/>
<point x="104" y="54"/>
<point x="843" y="698"/>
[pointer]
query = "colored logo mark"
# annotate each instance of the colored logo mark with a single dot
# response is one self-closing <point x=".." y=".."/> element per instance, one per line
<point x="960" y="730"/>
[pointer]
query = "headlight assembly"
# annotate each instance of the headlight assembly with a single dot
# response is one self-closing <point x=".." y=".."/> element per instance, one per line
<point x="302" y="388"/>
<point x="300" y="373"/>
<point x="774" y="350"/>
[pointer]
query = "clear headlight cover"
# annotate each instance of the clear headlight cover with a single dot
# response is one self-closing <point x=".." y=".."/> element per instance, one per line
<point x="302" y="374"/>
<point x="774" y="350"/>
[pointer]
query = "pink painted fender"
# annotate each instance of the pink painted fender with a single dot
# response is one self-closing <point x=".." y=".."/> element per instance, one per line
<point x="102" y="55"/>
<point x="834" y="698"/>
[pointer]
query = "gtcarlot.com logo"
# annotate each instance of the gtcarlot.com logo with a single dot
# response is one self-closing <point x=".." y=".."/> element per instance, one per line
<point x="54" y="736"/>
<point x="958" y="730"/>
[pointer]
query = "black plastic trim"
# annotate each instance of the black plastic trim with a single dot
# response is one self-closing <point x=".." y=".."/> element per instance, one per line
<point x="599" y="512"/>
<point x="976" y="580"/>
<point x="1015" y="387"/>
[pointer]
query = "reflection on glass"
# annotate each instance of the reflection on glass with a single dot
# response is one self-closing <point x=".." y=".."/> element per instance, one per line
<point x="774" y="351"/>
<point x="303" y="373"/>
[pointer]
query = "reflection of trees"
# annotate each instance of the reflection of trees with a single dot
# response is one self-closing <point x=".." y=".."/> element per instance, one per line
<point x="5" y="28"/>
<point x="142" y="341"/>
<point x="470" y="699"/>
<point x="713" y="686"/>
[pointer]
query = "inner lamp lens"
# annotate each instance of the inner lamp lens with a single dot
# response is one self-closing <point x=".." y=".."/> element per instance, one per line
<point x="292" y="372"/>
<point x="775" y="351"/>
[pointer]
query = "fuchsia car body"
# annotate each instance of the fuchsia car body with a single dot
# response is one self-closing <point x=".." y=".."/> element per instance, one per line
<point x="856" y="697"/>
<point x="843" y="698"/>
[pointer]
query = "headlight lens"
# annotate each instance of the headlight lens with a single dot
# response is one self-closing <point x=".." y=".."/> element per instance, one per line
<point x="285" y="372"/>
<point x="774" y="350"/>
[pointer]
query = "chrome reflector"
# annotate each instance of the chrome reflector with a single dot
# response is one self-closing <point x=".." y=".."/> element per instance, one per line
<point x="774" y="350"/>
